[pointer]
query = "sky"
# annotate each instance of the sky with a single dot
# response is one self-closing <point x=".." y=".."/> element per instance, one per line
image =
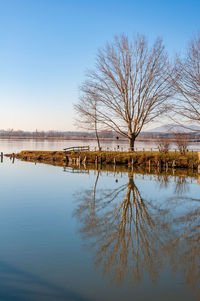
<point x="46" y="47"/>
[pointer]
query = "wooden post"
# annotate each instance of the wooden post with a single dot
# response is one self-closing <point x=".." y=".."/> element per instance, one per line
<point x="149" y="165"/>
<point x="96" y="161"/>
<point x="114" y="161"/>
<point x="158" y="166"/>
<point x="1" y="157"/>
<point x="78" y="161"/>
<point x="85" y="161"/>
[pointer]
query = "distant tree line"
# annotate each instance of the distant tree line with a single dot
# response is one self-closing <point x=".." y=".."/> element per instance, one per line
<point x="54" y="134"/>
<point x="192" y="136"/>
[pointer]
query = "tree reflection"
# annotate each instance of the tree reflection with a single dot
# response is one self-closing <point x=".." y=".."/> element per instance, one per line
<point x="181" y="184"/>
<point x="133" y="236"/>
<point x="125" y="232"/>
<point x="185" y="248"/>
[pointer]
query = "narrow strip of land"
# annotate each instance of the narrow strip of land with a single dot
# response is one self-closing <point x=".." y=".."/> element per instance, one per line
<point x="188" y="160"/>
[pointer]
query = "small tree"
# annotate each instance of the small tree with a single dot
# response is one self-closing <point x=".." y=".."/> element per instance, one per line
<point x="164" y="144"/>
<point x="182" y="141"/>
<point x="9" y="131"/>
<point x="87" y="112"/>
<point x="129" y="86"/>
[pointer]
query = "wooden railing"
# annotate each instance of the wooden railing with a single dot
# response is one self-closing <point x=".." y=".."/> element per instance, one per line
<point x="77" y="148"/>
<point x="75" y="170"/>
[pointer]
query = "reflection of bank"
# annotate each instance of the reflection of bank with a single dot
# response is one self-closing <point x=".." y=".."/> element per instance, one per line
<point x="198" y="181"/>
<point x="132" y="236"/>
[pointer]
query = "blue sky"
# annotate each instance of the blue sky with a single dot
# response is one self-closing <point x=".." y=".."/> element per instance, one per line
<point x="47" y="45"/>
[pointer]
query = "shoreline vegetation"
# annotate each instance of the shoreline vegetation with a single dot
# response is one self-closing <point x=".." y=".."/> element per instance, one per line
<point x="147" y="140"/>
<point x="154" y="140"/>
<point x="145" y="159"/>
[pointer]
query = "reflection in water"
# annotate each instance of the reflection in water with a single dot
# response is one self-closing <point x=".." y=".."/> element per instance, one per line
<point x="185" y="248"/>
<point x="126" y="233"/>
<point x="181" y="184"/>
<point x="133" y="236"/>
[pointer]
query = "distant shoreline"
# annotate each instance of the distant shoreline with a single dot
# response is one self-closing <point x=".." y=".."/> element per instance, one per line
<point x="145" y="140"/>
<point x="60" y="138"/>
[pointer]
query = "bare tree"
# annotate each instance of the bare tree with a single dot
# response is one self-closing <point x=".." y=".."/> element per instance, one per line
<point x="130" y="86"/>
<point x="9" y="131"/>
<point x="186" y="81"/>
<point x="182" y="141"/>
<point x="164" y="144"/>
<point x="87" y="112"/>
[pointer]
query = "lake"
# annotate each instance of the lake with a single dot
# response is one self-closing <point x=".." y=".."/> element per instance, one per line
<point x="83" y="235"/>
<point x="16" y="145"/>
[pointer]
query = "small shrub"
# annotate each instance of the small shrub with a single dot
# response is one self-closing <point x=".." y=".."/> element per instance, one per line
<point x="163" y="145"/>
<point x="182" y="141"/>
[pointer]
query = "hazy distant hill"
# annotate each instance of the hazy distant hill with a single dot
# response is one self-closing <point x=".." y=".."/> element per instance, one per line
<point x="170" y="128"/>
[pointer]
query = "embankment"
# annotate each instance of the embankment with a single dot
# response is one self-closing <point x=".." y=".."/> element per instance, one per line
<point x="189" y="160"/>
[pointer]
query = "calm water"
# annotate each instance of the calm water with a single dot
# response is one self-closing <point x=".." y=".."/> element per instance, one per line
<point x="14" y="146"/>
<point x="92" y="235"/>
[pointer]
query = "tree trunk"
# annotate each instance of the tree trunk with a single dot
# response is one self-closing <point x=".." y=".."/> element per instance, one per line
<point x="131" y="143"/>
<point x="94" y="198"/>
<point x="97" y="136"/>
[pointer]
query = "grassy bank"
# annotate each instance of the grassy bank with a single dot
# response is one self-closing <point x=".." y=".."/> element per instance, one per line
<point x="139" y="158"/>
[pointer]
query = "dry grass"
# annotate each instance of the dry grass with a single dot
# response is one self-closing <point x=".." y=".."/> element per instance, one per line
<point x="140" y="158"/>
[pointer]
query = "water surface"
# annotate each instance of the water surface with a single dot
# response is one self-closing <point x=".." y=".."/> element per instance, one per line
<point x="17" y="145"/>
<point x="94" y="235"/>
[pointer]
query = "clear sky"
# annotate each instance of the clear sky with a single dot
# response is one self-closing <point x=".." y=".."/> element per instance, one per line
<point x="47" y="45"/>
